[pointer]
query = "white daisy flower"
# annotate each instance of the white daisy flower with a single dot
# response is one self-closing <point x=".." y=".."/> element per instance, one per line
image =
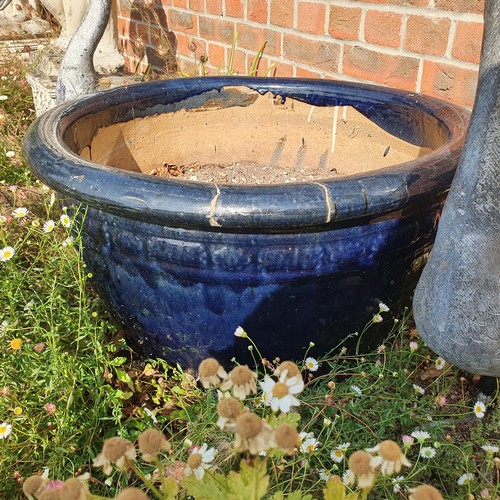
<point x="52" y="199"/>
<point x="489" y="449"/>
<point x="427" y="452"/>
<point x="239" y="332"/>
<point x="337" y="455"/>
<point x="377" y="318"/>
<point x="49" y="226"/>
<point x="418" y="389"/>
<point x="346" y="476"/>
<point x="311" y="364"/>
<point x="309" y="445"/>
<point x="65" y="220"/>
<point x="151" y="415"/>
<point x="465" y="479"/>
<point x="3" y="97"/>
<point x="383" y="308"/>
<point x="5" y="430"/>
<point x="199" y="460"/>
<point x="305" y="435"/>
<point x="479" y="409"/>
<point x="324" y="475"/>
<point x="283" y="392"/>
<point x="396" y="481"/>
<point x="6" y="253"/>
<point x="10" y="154"/>
<point x="421" y="436"/>
<point x="440" y="363"/>
<point x="356" y="390"/>
<point x="413" y="346"/>
<point x="390" y="458"/>
<point x="20" y="213"/>
<point x="68" y="241"/>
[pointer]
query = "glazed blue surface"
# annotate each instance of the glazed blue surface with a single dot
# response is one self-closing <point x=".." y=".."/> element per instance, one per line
<point x="184" y="263"/>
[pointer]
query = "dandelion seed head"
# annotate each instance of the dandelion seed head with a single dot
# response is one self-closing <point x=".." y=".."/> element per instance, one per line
<point x="425" y="492"/>
<point x="115" y="448"/>
<point x="151" y="442"/>
<point x="249" y="425"/>
<point x="33" y="486"/>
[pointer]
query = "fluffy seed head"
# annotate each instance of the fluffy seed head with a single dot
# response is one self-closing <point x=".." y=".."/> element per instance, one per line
<point x="249" y="425"/>
<point x="359" y="463"/>
<point x="115" y="448"/>
<point x="390" y="451"/>
<point x="229" y="408"/>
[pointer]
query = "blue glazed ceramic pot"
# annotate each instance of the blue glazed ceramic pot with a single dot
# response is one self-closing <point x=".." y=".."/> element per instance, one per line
<point x="184" y="263"/>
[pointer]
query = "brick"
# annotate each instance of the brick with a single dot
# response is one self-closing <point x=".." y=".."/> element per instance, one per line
<point x="466" y="6"/>
<point x="257" y="11"/>
<point x="123" y="8"/>
<point x="214" y="7"/>
<point x="182" y="21"/>
<point x="311" y="17"/>
<point x="216" y="30"/>
<point x="123" y="26"/>
<point x="234" y="8"/>
<point x="409" y="3"/>
<point x="282" y="13"/>
<point x="281" y="69"/>
<point x="468" y="41"/>
<point x="216" y="55"/>
<point x="197" y="5"/>
<point x="383" y="28"/>
<point x="306" y="73"/>
<point x="180" y="3"/>
<point x="396" y="71"/>
<point x="427" y="35"/>
<point x="252" y="38"/>
<point x="448" y="82"/>
<point x="142" y="32"/>
<point x="318" y="53"/>
<point x="344" y="22"/>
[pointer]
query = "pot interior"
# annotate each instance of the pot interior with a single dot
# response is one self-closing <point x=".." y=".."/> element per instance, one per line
<point x="240" y="136"/>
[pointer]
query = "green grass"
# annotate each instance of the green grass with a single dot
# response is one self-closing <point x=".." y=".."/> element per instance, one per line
<point x="68" y="380"/>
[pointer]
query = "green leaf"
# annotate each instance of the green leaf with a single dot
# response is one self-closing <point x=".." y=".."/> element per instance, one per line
<point x="170" y="489"/>
<point x="292" y="419"/>
<point x="335" y="490"/>
<point x="211" y="487"/>
<point x="296" y="495"/>
<point x="250" y="483"/>
<point x="124" y="377"/>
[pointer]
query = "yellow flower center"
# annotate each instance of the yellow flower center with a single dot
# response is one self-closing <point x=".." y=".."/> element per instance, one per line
<point x="3" y="429"/>
<point x="18" y="410"/>
<point x="16" y="344"/>
<point x="280" y="390"/>
<point x="338" y="453"/>
<point x="194" y="460"/>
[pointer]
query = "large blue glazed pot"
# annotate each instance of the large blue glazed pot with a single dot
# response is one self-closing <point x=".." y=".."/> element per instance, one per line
<point x="184" y="263"/>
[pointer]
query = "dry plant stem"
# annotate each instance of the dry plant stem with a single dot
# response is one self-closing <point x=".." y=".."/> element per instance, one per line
<point x="143" y="478"/>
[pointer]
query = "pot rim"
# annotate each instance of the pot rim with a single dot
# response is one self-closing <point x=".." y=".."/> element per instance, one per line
<point x="272" y="207"/>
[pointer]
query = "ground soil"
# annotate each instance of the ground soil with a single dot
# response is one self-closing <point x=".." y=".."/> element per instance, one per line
<point x="239" y="136"/>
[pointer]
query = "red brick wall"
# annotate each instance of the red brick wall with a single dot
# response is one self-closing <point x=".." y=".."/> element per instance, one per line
<point x="428" y="46"/>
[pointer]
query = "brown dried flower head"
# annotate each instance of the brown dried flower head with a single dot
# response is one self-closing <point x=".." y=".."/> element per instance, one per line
<point x="33" y="486"/>
<point x="51" y="494"/>
<point x="253" y="434"/>
<point x="291" y="368"/>
<point x="360" y="470"/>
<point x="229" y="408"/>
<point x="287" y="438"/>
<point x="116" y="451"/>
<point x="74" y="489"/>
<point x="390" y="458"/>
<point x="211" y="373"/>
<point x="151" y="442"/>
<point x="242" y="381"/>
<point x="425" y="492"/>
<point x="132" y="494"/>
<point x="194" y="460"/>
